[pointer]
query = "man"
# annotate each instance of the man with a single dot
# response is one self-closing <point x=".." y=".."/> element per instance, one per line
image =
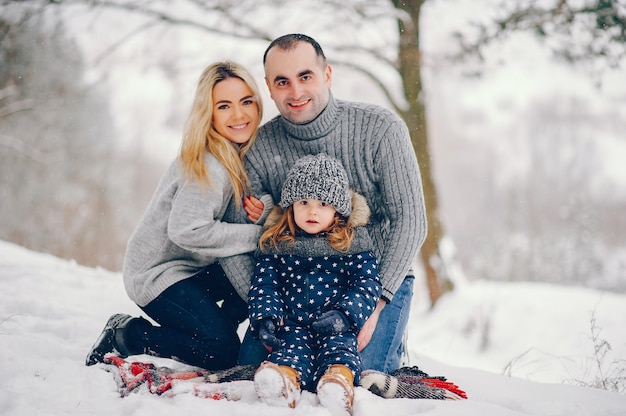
<point x="373" y="145"/>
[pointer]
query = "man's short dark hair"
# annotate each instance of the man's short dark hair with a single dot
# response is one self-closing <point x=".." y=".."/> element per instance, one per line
<point x="289" y="42"/>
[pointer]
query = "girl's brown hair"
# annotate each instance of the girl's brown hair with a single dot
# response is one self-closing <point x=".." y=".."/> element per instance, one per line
<point x="283" y="233"/>
<point x="200" y="134"/>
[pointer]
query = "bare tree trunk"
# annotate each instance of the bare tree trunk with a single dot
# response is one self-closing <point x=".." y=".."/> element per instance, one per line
<point x="409" y="58"/>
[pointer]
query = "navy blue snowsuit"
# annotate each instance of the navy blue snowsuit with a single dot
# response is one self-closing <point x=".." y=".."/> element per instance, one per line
<point x="295" y="285"/>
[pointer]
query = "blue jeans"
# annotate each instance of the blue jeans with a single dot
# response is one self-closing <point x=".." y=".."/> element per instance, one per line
<point x="384" y="351"/>
<point x="193" y="327"/>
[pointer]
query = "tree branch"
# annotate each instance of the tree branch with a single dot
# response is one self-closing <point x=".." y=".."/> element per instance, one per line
<point x="31" y="152"/>
<point x="604" y="22"/>
<point x="372" y="77"/>
<point x="16" y="107"/>
<point x="143" y="9"/>
<point x="368" y="51"/>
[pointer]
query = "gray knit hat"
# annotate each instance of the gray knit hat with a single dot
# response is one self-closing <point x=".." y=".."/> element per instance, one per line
<point x="318" y="177"/>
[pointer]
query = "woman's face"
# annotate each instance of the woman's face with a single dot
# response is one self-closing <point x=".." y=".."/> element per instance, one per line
<point x="235" y="110"/>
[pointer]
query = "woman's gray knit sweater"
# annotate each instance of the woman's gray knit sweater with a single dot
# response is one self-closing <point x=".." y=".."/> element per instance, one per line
<point x="183" y="231"/>
<point x="374" y="146"/>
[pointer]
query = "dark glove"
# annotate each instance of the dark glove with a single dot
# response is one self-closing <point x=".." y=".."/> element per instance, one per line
<point x="331" y="322"/>
<point x="267" y="331"/>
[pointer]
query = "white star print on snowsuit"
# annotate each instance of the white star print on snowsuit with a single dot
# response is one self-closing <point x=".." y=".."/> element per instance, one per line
<point x="296" y="285"/>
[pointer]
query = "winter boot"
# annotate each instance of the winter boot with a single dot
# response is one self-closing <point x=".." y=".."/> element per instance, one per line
<point x="277" y="385"/>
<point x="335" y="390"/>
<point x="111" y="340"/>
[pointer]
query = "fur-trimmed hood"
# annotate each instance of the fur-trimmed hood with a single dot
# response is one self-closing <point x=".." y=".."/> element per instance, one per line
<point x="316" y="247"/>
<point x="359" y="217"/>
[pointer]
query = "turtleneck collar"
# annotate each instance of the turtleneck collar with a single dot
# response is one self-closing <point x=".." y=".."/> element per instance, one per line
<point x="317" y="128"/>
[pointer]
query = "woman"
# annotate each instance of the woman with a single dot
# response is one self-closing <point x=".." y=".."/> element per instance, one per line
<point x="171" y="268"/>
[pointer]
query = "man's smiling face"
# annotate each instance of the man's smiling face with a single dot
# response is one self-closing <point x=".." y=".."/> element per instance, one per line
<point x="299" y="84"/>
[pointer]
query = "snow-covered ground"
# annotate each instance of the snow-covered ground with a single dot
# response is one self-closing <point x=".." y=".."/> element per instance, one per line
<point x="51" y="311"/>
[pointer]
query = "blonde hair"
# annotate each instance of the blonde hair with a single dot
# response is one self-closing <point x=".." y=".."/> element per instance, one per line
<point x="200" y="134"/>
<point x="340" y="234"/>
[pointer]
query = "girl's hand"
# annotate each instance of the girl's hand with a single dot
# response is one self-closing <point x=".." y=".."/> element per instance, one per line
<point x="267" y="334"/>
<point x="254" y="208"/>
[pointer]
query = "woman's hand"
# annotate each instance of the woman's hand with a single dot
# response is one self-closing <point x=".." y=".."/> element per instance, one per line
<point x="254" y="208"/>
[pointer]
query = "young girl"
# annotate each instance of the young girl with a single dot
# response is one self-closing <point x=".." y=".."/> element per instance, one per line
<point x="171" y="269"/>
<point x="315" y="284"/>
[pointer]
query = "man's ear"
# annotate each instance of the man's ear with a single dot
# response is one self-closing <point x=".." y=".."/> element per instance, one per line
<point x="328" y="74"/>
<point x="268" y="87"/>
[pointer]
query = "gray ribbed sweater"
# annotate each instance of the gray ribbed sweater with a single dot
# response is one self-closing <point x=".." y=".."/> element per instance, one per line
<point x="374" y="146"/>
<point x="182" y="231"/>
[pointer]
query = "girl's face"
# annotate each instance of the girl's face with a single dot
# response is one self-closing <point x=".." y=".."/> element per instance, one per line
<point x="235" y="110"/>
<point x="313" y="215"/>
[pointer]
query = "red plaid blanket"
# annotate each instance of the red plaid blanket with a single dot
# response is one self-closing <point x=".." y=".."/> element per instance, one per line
<point x="131" y="376"/>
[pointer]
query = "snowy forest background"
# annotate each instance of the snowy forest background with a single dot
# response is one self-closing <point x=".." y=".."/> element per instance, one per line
<point x="527" y="150"/>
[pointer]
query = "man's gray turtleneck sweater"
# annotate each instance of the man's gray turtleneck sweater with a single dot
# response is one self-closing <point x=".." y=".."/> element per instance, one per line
<point x="374" y="147"/>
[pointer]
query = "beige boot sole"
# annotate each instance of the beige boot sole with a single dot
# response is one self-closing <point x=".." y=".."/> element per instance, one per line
<point x="277" y="385"/>
<point x="335" y="390"/>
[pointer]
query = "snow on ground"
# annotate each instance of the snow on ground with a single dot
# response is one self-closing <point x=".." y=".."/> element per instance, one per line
<point x="51" y="311"/>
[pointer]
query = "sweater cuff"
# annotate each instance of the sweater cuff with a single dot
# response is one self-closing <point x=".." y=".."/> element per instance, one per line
<point x="387" y="296"/>
<point x="268" y="206"/>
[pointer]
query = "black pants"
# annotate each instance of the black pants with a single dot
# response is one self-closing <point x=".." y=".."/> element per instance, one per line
<point x="195" y="328"/>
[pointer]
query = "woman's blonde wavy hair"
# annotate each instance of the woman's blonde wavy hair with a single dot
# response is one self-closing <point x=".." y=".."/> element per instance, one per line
<point x="200" y="134"/>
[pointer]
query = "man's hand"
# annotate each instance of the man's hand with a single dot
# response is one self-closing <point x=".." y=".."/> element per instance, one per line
<point x="254" y="208"/>
<point x="365" y="334"/>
